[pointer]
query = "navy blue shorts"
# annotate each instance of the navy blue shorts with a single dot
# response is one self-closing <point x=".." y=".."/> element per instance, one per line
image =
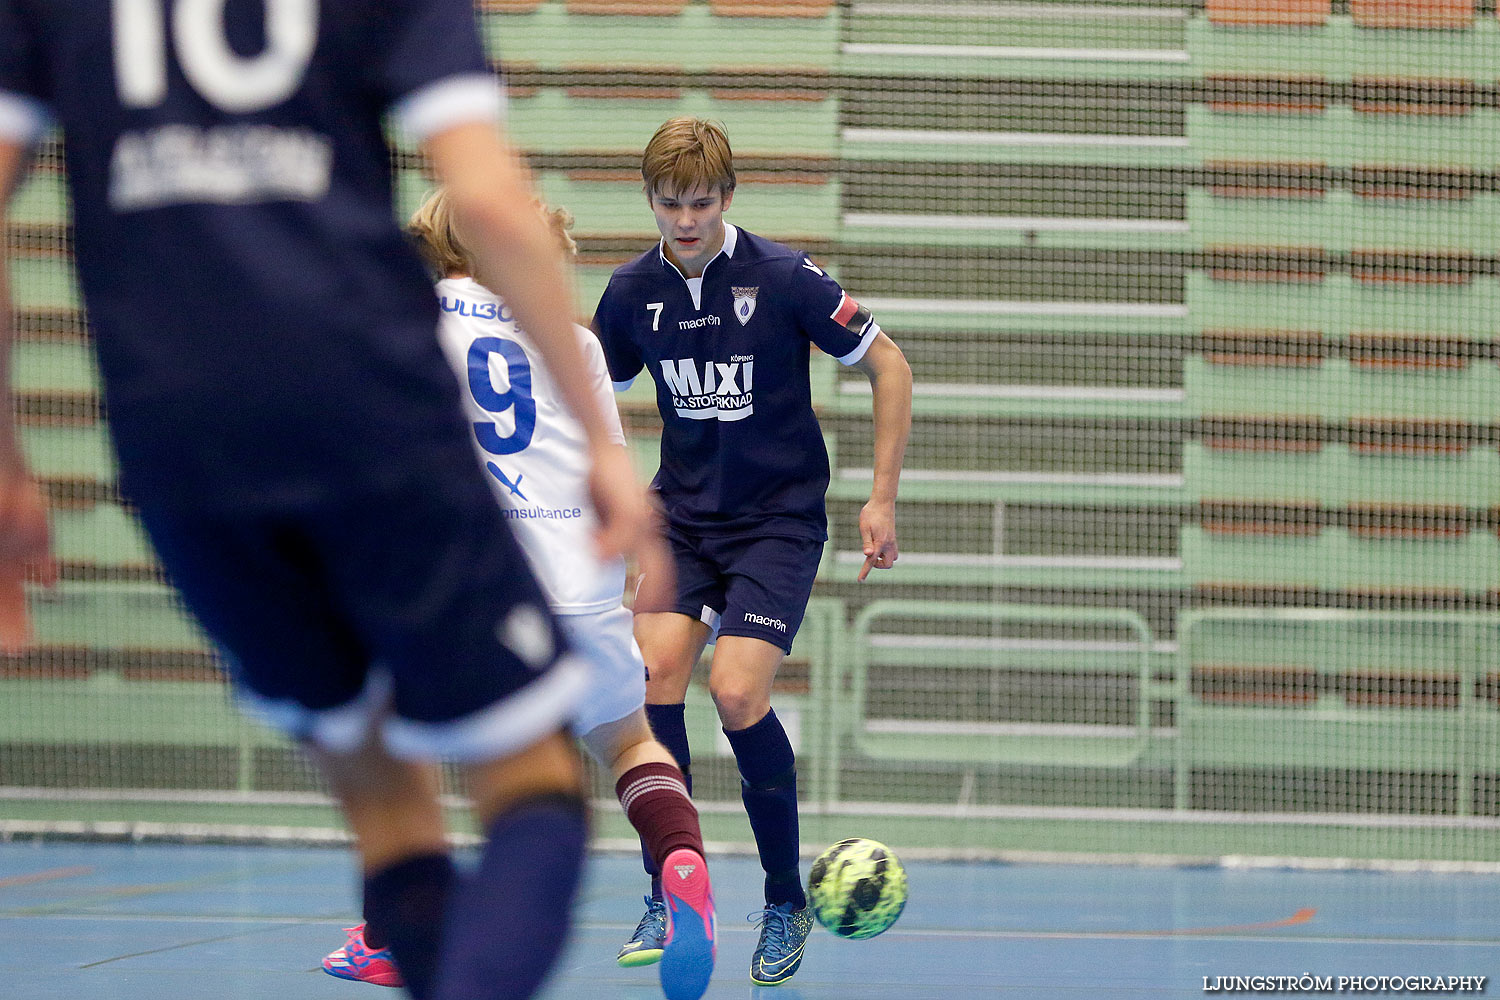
<point x="750" y="585"/>
<point x="411" y="608"/>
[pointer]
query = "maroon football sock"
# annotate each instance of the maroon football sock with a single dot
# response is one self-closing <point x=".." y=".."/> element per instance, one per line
<point x="656" y="802"/>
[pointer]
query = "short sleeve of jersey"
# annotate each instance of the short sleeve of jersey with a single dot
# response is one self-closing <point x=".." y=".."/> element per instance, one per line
<point x="434" y="70"/>
<point x="831" y="319"/>
<point x="23" y="88"/>
<point x="620" y="353"/>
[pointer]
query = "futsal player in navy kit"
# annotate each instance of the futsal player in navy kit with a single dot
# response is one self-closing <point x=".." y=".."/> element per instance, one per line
<point x="291" y="433"/>
<point x="723" y="321"/>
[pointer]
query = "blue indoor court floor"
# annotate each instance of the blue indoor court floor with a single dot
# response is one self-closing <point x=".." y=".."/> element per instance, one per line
<point x="91" y="921"/>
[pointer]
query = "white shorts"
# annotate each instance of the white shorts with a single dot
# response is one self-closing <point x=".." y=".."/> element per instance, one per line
<point x="617" y="673"/>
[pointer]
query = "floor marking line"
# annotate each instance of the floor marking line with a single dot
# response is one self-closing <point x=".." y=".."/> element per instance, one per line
<point x="981" y="934"/>
<point x="151" y="889"/>
<point x="1302" y="916"/>
<point x="50" y="875"/>
<point x="179" y="946"/>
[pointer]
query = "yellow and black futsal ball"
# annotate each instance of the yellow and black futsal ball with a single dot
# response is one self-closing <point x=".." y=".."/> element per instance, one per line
<point x="857" y="888"/>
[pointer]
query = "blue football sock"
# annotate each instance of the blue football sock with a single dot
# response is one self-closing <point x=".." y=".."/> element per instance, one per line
<point x="509" y="918"/>
<point x="669" y="726"/>
<point x="406" y="902"/>
<point x="768" y="786"/>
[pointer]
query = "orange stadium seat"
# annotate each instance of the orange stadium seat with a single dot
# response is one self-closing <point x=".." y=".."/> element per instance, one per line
<point x="1267" y="179"/>
<point x="1263" y="94"/>
<point x="1412" y="13"/>
<point x="772" y="8"/>
<point x="1280" y="264"/>
<point x="1407" y="351"/>
<point x="1285" y="13"/>
<point x="508" y="6"/>
<point x="634" y="8"/>
<point x="1382" y="181"/>
<point x="1405" y="95"/>
<point x="1264" y="348"/>
<point x="1382" y="267"/>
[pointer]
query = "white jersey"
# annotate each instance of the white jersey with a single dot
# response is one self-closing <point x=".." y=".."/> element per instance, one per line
<point x="534" y="452"/>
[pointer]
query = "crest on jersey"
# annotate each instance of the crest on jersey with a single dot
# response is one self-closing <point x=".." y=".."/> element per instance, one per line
<point x="744" y="303"/>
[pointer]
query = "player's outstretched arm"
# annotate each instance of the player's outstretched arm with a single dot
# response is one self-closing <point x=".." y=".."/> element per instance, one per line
<point x="890" y="384"/>
<point x="24" y="537"/>
<point x="517" y="257"/>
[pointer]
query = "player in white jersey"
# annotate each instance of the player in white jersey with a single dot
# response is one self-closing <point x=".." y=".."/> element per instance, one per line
<point x="536" y="459"/>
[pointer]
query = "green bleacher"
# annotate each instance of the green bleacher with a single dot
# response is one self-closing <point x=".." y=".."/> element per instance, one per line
<point x="1199" y="519"/>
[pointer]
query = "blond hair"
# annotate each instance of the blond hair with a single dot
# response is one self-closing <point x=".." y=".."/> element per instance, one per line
<point x="436" y="233"/>
<point x="687" y="152"/>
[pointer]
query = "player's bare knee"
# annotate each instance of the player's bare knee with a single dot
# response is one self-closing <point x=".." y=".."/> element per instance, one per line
<point x="624" y="743"/>
<point x="741" y="703"/>
<point x="668" y="673"/>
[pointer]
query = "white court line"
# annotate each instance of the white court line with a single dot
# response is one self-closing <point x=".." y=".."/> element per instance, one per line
<point x="1015" y="52"/>
<point x="1021" y="307"/>
<point x="889" y="640"/>
<point x="1138" y="564"/>
<point x="974" y="137"/>
<point x="988" y="390"/>
<point x="1193" y="817"/>
<point x="1011" y="11"/>
<point x="1006" y="223"/>
<point x="147" y="832"/>
<point x="939" y="727"/>
<point x="1001" y="477"/>
<point x="172" y="795"/>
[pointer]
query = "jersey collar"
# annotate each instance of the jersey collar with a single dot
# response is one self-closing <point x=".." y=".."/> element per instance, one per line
<point x="731" y="240"/>
<point x="695" y="285"/>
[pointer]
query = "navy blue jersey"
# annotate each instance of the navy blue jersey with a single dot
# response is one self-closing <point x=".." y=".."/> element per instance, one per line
<point x="741" y="448"/>
<point x="264" y="330"/>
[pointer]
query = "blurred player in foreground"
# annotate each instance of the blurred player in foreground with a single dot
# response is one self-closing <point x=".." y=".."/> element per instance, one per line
<point x="535" y="455"/>
<point x="724" y="321"/>
<point x="291" y="433"/>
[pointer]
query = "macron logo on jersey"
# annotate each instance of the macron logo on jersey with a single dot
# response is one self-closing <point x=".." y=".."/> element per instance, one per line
<point x="723" y="392"/>
<point x="755" y="619"/>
